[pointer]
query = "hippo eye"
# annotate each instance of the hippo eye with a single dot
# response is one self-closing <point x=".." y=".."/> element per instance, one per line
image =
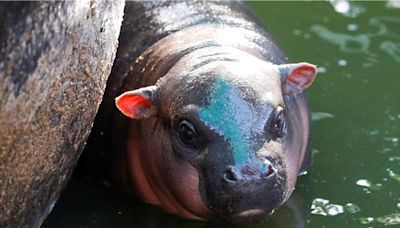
<point x="187" y="134"/>
<point x="279" y="123"/>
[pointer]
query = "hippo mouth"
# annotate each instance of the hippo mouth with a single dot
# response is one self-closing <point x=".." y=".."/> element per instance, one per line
<point x="250" y="213"/>
<point x="250" y="216"/>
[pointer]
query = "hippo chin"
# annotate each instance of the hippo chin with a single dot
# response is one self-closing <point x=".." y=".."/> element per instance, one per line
<point x="218" y="125"/>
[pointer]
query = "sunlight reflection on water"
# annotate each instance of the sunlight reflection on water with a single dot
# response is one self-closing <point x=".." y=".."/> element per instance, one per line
<point x="364" y="42"/>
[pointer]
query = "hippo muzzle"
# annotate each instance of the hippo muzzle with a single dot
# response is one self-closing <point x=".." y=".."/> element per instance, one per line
<point x="247" y="193"/>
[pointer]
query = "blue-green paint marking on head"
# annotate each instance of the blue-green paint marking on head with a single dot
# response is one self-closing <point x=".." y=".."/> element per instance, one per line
<point x="222" y="115"/>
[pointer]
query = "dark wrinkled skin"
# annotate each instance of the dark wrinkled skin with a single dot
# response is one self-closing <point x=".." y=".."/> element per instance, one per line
<point x="202" y="43"/>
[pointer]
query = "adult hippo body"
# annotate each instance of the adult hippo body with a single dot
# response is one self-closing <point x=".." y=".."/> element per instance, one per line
<point x="220" y="125"/>
<point x="55" y="58"/>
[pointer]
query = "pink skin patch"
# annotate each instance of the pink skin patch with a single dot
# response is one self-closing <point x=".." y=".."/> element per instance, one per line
<point x="133" y="105"/>
<point x="152" y="187"/>
<point x="300" y="78"/>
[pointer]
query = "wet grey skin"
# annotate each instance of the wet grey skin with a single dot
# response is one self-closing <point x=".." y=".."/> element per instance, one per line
<point x="223" y="138"/>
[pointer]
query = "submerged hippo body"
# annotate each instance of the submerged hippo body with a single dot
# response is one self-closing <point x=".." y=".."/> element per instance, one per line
<point x="220" y="125"/>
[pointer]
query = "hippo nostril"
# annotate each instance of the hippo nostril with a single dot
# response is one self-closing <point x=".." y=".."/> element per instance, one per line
<point x="271" y="171"/>
<point x="230" y="176"/>
<point x="268" y="169"/>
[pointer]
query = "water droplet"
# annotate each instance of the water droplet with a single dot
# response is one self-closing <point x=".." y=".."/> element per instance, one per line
<point x="391" y="139"/>
<point x="352" y="208"/>
<point x="366" y="190"/>
<point x="305" y="172"/>
<point x="314" y="152"/>
<point x="321" y="206"/>
<point x="346" y="9"/>
<point x="366" y="220"/>
<point x="386" y="150"/>
<point x="321" y="69"/>
<point x="394" y="175"/>
<point x="369" y="185"/>
<point x="342" y="62"/>
<point x="395" y="158"/>
<point x="272" y="212"/>
<point x="352" y="27"/>
<point x="341" y="6"/>
<point x="363" y="182"/>
<point x="297" y="32"/>
<point x="315" y="116"/>
<point x="374" y="132"/>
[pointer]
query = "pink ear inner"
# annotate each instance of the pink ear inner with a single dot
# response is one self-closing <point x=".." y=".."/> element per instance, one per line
<point x="131" y="105"/>
<point x="300" y="78"/>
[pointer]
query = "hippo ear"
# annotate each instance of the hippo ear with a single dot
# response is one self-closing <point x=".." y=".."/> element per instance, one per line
<point x="297" y="77"/>
<point x="137" y="104"/>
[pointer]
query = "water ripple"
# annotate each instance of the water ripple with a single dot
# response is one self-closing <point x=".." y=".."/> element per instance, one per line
<point x="369" y="184"/>
<point x="391" y="219"/>
<point x="392" y="49"/>
<point x="315" y="116"/>
<point x="393" y="4"/>
<point x="321" y="206"/>
<point x="394" y="175"/>
<point x="347" y="43"/>
<point x="352" y="208"/>
<point x="362" y="43"/>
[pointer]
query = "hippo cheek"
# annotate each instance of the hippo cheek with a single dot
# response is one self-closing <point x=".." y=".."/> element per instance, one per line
<point x="179" y="182"/>
<point x="162" y="178"/>
<point x="183" y="182"/>
<point x="292" y="172"/>
<point x="291" y="161"/>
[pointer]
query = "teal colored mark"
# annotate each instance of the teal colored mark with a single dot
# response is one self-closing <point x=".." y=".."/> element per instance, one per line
<point x="221" y="116"/>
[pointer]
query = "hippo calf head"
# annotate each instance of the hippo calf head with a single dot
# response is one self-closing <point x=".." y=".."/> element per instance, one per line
<point x="215" y="135"/>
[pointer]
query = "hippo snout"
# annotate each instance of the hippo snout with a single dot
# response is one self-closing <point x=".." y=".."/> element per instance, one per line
<point x="235" y="176"/>
<point x="249" y="192"/>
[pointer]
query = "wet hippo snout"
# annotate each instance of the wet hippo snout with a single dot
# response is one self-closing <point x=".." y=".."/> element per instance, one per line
<point x="238" y="175"/>
<point x="250" y="191"/>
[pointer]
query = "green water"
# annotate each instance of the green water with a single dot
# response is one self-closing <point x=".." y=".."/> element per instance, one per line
<point x="356" y="127"/>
